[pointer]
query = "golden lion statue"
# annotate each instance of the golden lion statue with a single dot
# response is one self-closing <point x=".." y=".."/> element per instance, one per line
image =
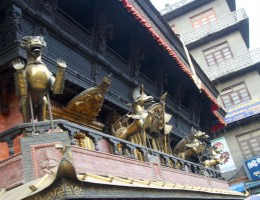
<point x="34" y="80"/>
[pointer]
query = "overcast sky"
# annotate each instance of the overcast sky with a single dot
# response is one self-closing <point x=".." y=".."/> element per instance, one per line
<point x="252" y="8"/>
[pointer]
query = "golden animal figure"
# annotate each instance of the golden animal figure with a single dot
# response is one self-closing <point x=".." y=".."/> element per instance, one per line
<point x="191" y="146"/>
<point x="140" y="116"/>
<point x="142" y="119"/>
<point x="84" y="108"/>
<point x="34" y="79"/>
<point x="216" y="157"/>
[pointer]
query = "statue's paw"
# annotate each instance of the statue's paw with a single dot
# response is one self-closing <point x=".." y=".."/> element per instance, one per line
<point x="18" y="64"/>
<point x="61" y="63"/>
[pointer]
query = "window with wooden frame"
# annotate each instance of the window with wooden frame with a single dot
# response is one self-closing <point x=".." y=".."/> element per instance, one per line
<point x="235" y="95"/>
<point x="217" y="53"/>
<point x="249" y="144"/>
<point x="203" y="18"/>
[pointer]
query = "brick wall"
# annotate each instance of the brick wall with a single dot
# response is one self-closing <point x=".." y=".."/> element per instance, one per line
<point x="87" y="161"/>
<point x="14" y="116"/>
<point x="11" y="172"/>
<point x="8" y="121"/>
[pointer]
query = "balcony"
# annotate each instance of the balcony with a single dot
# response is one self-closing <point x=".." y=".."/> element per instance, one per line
<point x="233" y="64"/>
<point x="102" y="143"/>
<point x="99" y="160"/>
<point x="222" y="23"/>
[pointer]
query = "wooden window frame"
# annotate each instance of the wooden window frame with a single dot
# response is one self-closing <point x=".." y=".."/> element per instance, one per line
<point x="249" y="145"/>
<point x="198" y="18"/>
<point x="234" y="91"/>
<point x="218" y="49"/>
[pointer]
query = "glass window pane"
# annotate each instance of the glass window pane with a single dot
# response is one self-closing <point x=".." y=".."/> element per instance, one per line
<point x="245" y="147"/>
<point x="227" y="105"/>
<point x="234" y="94"/>
<point x="249" y="155"/>
<point x="237" y="101"/>
<point x="225" y="97"/>
<point x="245" y="99"/>
<point x="243" y="143"/>
<point x="226" y="100"/>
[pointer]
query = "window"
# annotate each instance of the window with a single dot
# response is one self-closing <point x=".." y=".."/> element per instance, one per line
<point x="203" y="18"/>
<point x="217" y="53"/>
<point x="235" y="95"/>
<point x="249" y="144"/>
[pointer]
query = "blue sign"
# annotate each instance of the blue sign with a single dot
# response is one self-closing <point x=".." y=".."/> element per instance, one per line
<point x="239" y="187"/>
<point x="243" y="110"/>
<point x="252" y="167"/>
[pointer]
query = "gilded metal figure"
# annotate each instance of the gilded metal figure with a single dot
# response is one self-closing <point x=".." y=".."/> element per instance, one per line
<point x="141" y="119"/>
<point x="140" y="116"/>
<point x="34" y="80"/>
<point x="84" y="108"/>
<point x="191" y="146"/>
<point x="216" y="157"/>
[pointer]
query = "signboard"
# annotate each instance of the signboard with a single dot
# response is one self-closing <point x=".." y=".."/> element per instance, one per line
<point x="243" y="110"/>
<point x="228" y="164"/>
<point x="239" y="187"/>
<point x="252" y="167"/>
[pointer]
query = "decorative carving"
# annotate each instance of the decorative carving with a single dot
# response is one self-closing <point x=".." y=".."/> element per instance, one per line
<point x="193" y="145"/>
<point x="47" y="7"/>
<point x="85" y="107"/>
<point x="178" y="95"/>
<point x="45" y="158"/>
<point x="11" y="24"/>
<point x="80" y="139"/>
<point x="161" y="78"/>
<point x="104" y="32"/>
<point x="35" y="81"/>
<point x="135" y="60"/>
<point x="49" y="160"/>
<point x="59" y="191"/>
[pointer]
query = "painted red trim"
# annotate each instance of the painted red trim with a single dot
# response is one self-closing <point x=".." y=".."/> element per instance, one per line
<point x="130" y="8"/>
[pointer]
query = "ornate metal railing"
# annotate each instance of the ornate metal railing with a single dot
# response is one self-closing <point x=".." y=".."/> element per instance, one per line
<point x="175" y="6"/>
<point x="233" y="64"/>
<point x="214" y="26"/>
<point x="96" y="136"/>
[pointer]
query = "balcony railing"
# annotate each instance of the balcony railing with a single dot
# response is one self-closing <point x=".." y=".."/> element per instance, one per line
<point x="214" y="26"/>
<point x="96" y="136"/>
<point x="233" y="64"/>
<point x="174" y="6"/>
